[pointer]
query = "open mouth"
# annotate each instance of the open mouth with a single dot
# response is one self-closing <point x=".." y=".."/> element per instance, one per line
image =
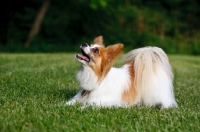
<point x="83" y="56"/>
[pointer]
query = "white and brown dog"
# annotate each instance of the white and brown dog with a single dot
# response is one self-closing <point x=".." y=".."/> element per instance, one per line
<point x="146" y="78"/>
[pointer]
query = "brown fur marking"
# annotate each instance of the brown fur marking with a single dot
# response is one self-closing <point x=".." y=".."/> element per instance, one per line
<point x="130" y="95"/>
<point x="103" y="61"/>
<point x="112" y="52"/>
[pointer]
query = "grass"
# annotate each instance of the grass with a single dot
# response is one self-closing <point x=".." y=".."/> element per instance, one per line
<point x="34" y="87"/>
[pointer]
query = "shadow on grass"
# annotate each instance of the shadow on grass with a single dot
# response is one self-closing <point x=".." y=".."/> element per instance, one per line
<point x="67" y="93"/>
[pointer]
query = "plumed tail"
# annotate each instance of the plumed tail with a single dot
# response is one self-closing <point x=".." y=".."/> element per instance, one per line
<point x="153" y="76"/>
<point x="145" y="62"/>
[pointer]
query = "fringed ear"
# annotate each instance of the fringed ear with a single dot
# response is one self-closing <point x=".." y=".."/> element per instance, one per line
<point x="98" y="40"/>
<point x="113" y="51"/>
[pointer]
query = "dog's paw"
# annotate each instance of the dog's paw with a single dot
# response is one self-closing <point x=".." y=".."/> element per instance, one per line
<point x="71" y="102"/>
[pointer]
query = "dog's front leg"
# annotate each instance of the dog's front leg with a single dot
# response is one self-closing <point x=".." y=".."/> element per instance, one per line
<point x="75" y="99"/>
<point x="80" y="97"/>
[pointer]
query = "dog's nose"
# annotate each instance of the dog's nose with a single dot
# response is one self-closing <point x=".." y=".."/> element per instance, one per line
<point x="84" y="44"/>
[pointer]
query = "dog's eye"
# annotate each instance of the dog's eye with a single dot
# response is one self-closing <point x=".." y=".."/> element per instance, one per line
<point x="95" y="50"/>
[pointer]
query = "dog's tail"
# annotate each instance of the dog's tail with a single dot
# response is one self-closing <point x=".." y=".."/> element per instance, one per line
<point x="153" y="76"/>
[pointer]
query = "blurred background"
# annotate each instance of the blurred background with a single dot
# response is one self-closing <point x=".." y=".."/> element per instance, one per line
<point x="62" y="25"/>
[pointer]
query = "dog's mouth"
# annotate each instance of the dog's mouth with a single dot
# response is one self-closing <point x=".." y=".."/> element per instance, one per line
<point x="83" y="56"/>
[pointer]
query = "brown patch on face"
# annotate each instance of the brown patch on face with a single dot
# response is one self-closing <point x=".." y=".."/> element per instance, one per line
<point x="112" y="52"/>
<point x="96" y="63"/>
<point x="104" y="59"/>
<point x="98" y="40"/>
<point x="129" y="95"/>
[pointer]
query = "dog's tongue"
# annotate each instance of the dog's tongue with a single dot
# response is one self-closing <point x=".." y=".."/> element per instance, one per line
<point x="82" y="57"/>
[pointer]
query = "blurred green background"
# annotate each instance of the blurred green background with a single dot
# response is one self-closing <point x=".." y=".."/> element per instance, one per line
<point x="62" y="25"/>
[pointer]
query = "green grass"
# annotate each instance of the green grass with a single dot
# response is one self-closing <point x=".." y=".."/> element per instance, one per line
<point x="33" y="88"/>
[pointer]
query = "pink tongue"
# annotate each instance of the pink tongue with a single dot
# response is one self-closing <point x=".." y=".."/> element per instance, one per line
<point x="83" y="57"/>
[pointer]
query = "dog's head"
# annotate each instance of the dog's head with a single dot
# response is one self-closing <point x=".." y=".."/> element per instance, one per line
<point x="98" y="57"/>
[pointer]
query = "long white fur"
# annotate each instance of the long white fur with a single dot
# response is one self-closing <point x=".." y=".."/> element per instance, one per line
<point x="153" y="77"/>
<point x="105" y="93"/>
<point x="153" y="81"/>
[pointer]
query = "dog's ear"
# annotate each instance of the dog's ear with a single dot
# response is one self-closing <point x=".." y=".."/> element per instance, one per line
<point x="111" y="55"/>
<point x="113" y="51"/>
<point x="98" y="40"/>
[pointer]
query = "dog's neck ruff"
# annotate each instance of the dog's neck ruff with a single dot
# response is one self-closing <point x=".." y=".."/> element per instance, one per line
<point x="87" y="78"/>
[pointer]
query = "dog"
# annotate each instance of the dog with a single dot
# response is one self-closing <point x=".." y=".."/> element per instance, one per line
<point x="146" y="78"/>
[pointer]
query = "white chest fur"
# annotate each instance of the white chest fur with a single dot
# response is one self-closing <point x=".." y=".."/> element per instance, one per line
<point x="107" y="92"/>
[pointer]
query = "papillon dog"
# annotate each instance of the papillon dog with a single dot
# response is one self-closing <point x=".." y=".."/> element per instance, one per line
<point x="146" y="77"/>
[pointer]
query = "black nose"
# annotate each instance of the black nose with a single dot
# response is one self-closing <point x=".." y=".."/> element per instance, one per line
<point x="84" y="44"/>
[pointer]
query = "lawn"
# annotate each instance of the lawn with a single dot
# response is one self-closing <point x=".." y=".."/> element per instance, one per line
<point x="34" y="88"/>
